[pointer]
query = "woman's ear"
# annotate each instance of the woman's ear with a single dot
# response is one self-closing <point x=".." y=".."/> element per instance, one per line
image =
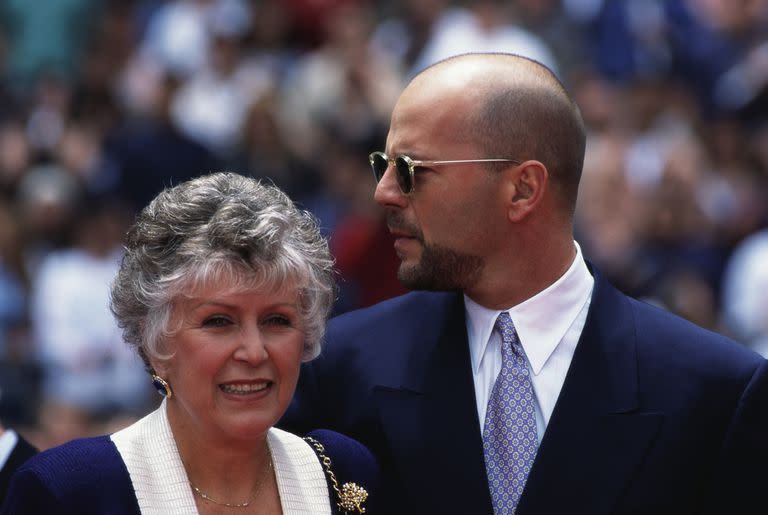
<point x="527" y="184"/>
<point x="159" y="367"/>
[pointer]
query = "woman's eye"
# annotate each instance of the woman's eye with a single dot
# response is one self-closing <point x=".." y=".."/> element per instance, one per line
<point x="279" y="320"/>
<point x="216" y="321"/>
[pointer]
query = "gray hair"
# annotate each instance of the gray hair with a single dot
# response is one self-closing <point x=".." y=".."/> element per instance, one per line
<point x="219" y="226"/>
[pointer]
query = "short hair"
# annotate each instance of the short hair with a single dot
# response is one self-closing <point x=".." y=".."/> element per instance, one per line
<point x="527" y="113"/>
<point x="222" y="226"/>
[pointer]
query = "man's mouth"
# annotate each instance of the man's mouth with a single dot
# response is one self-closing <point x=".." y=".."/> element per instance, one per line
<point x="399" y="234"/>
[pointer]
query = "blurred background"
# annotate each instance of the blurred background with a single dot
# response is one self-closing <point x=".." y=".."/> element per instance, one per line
<point x="105" y="102"/>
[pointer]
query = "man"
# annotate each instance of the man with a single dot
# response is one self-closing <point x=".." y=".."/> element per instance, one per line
<point x="522" y="382"/>
<point x="14" y="451"/>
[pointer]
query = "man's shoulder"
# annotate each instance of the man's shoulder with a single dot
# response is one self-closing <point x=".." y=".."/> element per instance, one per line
<point x="660" y="333"/>
<point x="386" y="332"/>
<point x="406" y="309"/>
<point x="663" y="340"/>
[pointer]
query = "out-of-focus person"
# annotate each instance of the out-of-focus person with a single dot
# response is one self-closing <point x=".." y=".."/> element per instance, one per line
<point x="89" y="374"/>
<point x="745" y="292"/>
<point x="14" y="451"/>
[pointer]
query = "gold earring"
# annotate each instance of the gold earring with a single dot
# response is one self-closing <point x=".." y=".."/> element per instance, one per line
<point x="162" y="386"/>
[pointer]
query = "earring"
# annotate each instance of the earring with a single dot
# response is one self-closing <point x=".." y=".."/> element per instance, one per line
<point x="162" y="386"/>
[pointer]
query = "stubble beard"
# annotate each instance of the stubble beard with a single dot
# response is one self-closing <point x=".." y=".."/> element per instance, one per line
<point x="441" y="269"/>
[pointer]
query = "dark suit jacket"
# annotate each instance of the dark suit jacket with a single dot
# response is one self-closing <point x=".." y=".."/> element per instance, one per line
<point x="656" y="415"/>
<point x="88" y="477"/>
<point x="21" y="453"/>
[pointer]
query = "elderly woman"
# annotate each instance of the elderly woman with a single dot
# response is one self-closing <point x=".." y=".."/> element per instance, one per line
<point x="223" y="291"/>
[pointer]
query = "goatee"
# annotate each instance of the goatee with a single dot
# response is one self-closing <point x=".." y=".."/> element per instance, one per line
<point x="440" y="268"/>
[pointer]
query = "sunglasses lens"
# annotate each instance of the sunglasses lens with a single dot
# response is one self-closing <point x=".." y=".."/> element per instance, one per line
<point x="404" y="178"/>
<point x="379" y="164"/>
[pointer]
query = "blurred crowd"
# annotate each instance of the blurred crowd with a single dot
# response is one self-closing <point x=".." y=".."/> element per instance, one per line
<point x="105" y="102"/>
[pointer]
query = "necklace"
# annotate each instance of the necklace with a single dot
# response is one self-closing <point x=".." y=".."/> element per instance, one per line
<point x="244" y="504"/>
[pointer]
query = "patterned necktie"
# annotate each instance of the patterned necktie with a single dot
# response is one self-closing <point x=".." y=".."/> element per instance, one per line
<point x="509" y="436"/>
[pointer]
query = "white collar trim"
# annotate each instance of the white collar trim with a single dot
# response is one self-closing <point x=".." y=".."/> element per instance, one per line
<point x="161" y="484"/>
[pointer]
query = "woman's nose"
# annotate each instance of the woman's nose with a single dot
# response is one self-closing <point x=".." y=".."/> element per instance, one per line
<point x="251" y="347"/>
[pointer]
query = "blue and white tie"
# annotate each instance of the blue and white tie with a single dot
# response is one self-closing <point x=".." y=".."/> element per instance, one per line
<point x="509" y="435"/>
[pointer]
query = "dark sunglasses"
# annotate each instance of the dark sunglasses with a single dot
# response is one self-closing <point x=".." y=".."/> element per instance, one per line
<point x="406" y="167"/>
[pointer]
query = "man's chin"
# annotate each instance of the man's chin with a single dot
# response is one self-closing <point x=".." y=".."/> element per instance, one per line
<point x="439" y="270"/>
<point x="410" y="276"/>
<point x="414" y="277"/>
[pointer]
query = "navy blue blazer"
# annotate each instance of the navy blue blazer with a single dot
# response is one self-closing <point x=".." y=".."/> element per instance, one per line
<point x="656" y="415"/>
<point x="88" y="477"/>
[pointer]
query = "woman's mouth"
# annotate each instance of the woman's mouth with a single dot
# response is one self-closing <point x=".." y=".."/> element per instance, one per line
<point x="244" y="388"/>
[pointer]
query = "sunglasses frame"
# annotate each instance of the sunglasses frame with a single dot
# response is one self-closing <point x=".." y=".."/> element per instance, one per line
<point x="406" y="177"/>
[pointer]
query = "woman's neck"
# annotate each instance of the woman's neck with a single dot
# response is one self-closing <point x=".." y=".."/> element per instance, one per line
<point x="225" y="470"/>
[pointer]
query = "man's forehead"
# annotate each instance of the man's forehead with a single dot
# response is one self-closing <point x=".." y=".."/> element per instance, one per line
<point x="418" y="124"/>
<point x="425" y="105"/>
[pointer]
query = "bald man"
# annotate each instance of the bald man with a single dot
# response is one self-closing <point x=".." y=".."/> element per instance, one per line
<point x="518" y="380"/>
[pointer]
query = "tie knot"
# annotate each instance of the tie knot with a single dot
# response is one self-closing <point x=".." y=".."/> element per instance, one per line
<point x="507" y="329"/>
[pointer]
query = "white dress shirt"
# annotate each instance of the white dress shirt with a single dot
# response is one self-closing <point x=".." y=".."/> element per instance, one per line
<point x="549" y="326"/>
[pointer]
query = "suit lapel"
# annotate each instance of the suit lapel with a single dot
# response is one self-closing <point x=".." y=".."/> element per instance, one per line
<point x="431" y="421"/>
<point x="596" y="436"/>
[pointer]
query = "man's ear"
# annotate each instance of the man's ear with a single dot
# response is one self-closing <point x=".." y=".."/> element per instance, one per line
<point x="527" y="184"/>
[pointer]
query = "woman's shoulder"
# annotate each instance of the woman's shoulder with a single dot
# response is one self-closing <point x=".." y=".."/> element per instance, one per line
<point x="78" y="456"/>
<point x="351" y="463"/>
<point x="345" y="449"/>
<point x="83" y="471"/>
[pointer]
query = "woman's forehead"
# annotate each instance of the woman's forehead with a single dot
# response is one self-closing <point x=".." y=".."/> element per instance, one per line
<point x="230" y="286"/>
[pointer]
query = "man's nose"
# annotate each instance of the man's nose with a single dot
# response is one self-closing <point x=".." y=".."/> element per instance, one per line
<point x="388" y="192"/>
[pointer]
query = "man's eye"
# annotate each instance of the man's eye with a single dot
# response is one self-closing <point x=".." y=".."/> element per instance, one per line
<point x="216" y="321"/>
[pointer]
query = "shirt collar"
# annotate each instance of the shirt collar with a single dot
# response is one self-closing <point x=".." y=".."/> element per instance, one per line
<point x="541" y="321"/>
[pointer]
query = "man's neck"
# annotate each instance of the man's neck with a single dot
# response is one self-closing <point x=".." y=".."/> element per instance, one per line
<point x="513" y="281"/>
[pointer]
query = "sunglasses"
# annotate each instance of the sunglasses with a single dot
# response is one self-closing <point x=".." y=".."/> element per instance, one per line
<point x="406" y="167"/>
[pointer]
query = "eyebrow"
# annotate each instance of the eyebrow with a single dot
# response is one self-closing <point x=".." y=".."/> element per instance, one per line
<point x="218" y="303"/>
<point x="410" y="152"/>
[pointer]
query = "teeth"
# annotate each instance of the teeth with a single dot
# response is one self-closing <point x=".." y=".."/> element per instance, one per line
<point x="243" y="388"/>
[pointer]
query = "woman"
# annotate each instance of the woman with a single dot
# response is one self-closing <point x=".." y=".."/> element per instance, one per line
<point x="223" y="291"/>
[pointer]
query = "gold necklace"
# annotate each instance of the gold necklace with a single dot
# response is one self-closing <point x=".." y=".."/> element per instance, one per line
<point x="243" y="504"/>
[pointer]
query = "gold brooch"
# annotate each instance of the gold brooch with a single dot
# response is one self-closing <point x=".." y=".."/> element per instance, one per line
<point x="352" y="497"/>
